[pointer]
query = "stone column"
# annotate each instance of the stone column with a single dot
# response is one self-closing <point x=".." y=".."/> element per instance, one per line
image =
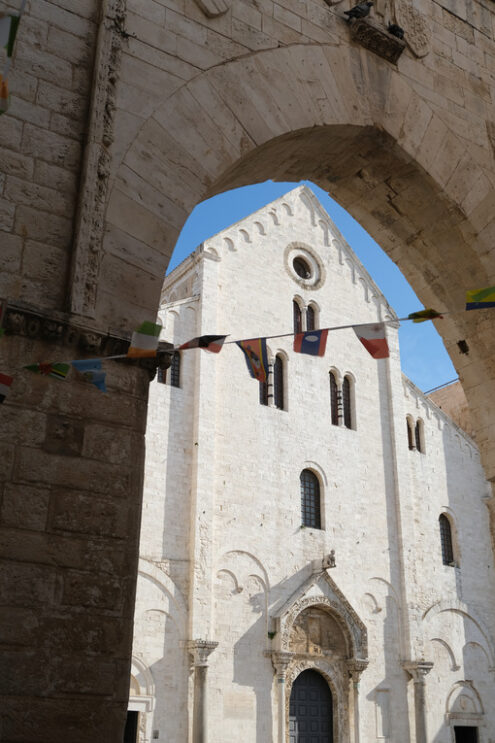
<point x="418" y="670"/>
<point x="280" y="662"/>
<point x="200" y="651"/>
<point x="355" y="667"/>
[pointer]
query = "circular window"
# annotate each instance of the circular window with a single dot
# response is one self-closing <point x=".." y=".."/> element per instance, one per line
<point x="301" y="268"/>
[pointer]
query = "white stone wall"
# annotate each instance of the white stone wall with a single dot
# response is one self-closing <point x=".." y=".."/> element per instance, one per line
<point x="222" y="519"/>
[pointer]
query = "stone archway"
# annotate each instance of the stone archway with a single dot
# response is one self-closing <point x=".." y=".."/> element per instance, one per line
<point x="188" y="100"/>
<point x="371" y="141"/>
<point x="311" y="708"/>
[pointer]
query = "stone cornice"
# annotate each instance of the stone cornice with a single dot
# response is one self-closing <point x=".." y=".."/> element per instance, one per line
<point x="59" y="329"/>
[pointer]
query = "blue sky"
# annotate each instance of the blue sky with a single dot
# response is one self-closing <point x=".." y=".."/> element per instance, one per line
<point x="423" y="355"/>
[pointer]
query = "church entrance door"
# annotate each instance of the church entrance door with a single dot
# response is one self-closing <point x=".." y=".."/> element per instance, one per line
<point x="310" y="710"/>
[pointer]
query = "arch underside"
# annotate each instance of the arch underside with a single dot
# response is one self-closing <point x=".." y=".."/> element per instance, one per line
<point x="364" y="135"/>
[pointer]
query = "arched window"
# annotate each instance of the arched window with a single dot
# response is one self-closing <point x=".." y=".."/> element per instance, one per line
<point x="334" y="400"/>
<point x="175" y="370"/>
<point x="418" y="436"/>
<point x="278" y="382"/>
<point x="410" y="434"/>
<point x="297" y="314"/>
<point x="347" y="401"/>
<point x="446" y="540"/>
<point x="310" y="500"/>
<point x="310" y="318"/>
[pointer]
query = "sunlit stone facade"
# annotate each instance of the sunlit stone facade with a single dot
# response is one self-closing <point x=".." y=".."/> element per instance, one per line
<point x="238" y="593"/>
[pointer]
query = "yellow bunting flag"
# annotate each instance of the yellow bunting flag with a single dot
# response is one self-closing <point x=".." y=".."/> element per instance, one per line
<point x="480" y="299"/>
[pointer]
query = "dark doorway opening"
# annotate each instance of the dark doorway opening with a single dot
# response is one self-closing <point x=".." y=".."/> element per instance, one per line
<point x="465" y="734"/>
<point x="131" y="727"/>
<point x="310" y="710"/>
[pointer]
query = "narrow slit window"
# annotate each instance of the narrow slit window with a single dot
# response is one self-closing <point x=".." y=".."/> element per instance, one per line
<point x="310" y="500"/>
<point x="263" y="393"/>
<point x="297" y="315"/>
<point x="310" y="318"/>
<point x="175" y="370"/>
<point x="278" y="383"/>
<point x="347" y="402"/>
<point x="410" y="435"/>
<point x="446" y="540"/>
<point x="334" y="400"/>
<point x="418" y="431"/>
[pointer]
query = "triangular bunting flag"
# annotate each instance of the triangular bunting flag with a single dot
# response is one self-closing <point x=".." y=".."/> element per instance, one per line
<point x="256" y="357"/>
<point x="91" y="370"/>
<point x="480" y="299"/>
<point x="5" y="382"/>
<point x="211" y="343"/>
<point x="312" y="342"/>
<point x="372" y="336"/>
<point x="58" y="370"/>
<point x="144" y="341"/>
<point x="424" y="315"/>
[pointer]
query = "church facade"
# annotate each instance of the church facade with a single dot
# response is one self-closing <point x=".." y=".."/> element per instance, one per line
<point x="315" y="559"/>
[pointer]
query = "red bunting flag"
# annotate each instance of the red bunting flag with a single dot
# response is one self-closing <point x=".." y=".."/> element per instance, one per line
<point x="5" y="382"/>
<point x="372" y="336"/>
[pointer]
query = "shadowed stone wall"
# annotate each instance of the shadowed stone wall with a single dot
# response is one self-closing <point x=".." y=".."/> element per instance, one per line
<point x="123" y="116"/>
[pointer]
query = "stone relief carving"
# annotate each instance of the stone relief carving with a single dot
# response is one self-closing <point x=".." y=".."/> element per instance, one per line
<point x="416" y="28"/>
<point x="316" y="632"/>
<point x="96" y="171"/>
<point x="332" y="602"/>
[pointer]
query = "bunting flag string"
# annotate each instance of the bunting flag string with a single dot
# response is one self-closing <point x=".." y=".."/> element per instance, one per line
<point x="145" y="339"/>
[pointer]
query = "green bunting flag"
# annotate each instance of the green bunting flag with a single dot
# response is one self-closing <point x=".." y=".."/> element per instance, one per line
<point x="480" y="299"/>
<point x="58" y="370"/>
<point x="144" y="341"/>
<point x="424" y="315"/>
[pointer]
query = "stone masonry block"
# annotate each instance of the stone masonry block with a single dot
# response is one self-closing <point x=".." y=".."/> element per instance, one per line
<point x="101" y="591"/>
<point x="43" y="227"/>
<point x="25" y="507"/>
<point x="51" y="147"/>
<point x="27" y="585"/>
<point x="72" y="472"/>
<point x="88" y="514"/>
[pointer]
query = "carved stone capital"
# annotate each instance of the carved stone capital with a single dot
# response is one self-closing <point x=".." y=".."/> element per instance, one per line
<point x="200" y="650"/>
<point x="417" y="669"/>
<point x="281" y="660"/>
<point x="355" y="668"/>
